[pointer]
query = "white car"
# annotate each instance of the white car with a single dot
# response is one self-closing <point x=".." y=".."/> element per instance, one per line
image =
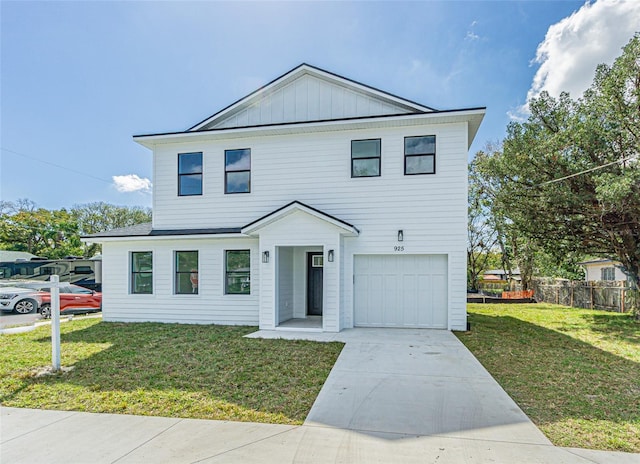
<point x="20" y="300"/>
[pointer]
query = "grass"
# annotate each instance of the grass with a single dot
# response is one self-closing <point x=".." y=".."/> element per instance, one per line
<point x="171" y="370"/>
<point x="574" y="372"/>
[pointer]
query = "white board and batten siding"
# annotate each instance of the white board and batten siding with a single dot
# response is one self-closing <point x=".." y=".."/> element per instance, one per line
<point x="308" y="98"/>
<point x="210" y="305"/>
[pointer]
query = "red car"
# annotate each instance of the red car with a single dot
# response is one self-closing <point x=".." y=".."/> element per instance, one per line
<point x="73" y="298"/>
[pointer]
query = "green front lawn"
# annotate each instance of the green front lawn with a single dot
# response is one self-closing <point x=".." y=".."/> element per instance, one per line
<point x="574" y="372"/>
<point x="172" y="370"/>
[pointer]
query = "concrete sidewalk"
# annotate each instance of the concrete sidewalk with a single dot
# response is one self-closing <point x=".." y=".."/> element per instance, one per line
<point x="59" y="437"/>
<point x="406" y="396"/>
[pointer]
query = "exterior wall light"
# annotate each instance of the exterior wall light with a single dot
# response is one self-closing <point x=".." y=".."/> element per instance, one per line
<point x="330" y="256"/>
<point x="400" y="236"/>
<point x="265" y="256"/>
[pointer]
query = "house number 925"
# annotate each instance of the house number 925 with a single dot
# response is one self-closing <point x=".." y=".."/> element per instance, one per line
<point x="398" y="248"/>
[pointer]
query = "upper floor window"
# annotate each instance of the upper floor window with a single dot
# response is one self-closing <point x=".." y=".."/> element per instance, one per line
<point x="189" y="174"/>
<point x="420" y="155"/>
<point x="141" y="272"/>
<point x="608" y="273"/>
<point x="238" y="272"/>
<point x="237" y="171"/>
<point x="186" y="276"/>
<point x="365" y="158"/>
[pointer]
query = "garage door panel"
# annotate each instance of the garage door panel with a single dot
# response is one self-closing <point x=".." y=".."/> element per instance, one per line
<point x="361" y="294"/>
<point x="439" y="299"/>
<point x="409" y="300"/>
<point x="400" y="291"/>
<point x="375" y="298"/>
<point x="425" y="295"/>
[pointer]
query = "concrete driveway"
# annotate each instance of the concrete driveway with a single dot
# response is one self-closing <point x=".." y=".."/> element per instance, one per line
<point x="417" y="382"/>
<point x="394" y="396"/>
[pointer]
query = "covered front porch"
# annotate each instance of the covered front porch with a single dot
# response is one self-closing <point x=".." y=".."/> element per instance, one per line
<point x="299" y="296"/>
<point x="300" y="273"/>
<point x="308" y="324"/>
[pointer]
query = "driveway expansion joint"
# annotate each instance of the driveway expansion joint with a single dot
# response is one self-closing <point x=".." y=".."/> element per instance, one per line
<point x="71" y="414"/>
<point x="230" y="450"/>
<point x="177" y="421"/>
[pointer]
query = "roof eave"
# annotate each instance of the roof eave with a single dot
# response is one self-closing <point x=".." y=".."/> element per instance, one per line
<point x="473" y="116"/>
<point x="136" y="238"/>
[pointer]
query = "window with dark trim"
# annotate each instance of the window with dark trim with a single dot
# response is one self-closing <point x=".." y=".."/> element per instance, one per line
<point x="189" y="174"/>
<point x="237" y="171"/>
<point x="186" y="272"/>
<point x="420" y="155"/>
<point x="142" y="272"/>
<point x="237" y="272"/>
<point x="365" y="158"/>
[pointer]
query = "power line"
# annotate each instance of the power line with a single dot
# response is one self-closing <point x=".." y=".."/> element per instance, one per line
<point x="632" y="157"/>
<point x="55" y="165"/>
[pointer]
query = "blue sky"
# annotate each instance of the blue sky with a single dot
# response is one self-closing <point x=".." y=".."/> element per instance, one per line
<point x="78" y="79"/>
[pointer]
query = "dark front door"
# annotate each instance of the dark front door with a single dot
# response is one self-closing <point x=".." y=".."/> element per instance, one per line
<point x="314" y="284"/>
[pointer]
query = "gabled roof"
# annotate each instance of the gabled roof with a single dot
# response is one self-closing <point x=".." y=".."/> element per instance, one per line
<point x="305" y="94"/>
<point x="293" y="207"/>
<point x="308" y="99"/>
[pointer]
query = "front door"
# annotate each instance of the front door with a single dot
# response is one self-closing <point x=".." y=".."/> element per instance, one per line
<point x="314" y="283"/>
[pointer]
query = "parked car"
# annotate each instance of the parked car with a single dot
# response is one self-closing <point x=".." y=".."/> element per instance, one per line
<point x="19" y="299"/>
<point x="73" y="298"/>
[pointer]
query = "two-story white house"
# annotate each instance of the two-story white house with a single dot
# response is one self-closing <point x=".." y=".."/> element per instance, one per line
<point x="314" y="201"/>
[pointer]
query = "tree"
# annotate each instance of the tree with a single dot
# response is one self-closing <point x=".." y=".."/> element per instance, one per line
<point x="568" y="178"/>
<point x="100" y="216"/>
<point x="482" y="234"/>
<point x="56" y="234"/>
<point x="53" y="234"/>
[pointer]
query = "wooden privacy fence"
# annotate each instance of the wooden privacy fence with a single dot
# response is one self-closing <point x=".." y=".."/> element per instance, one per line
<point x="606" y="295"/>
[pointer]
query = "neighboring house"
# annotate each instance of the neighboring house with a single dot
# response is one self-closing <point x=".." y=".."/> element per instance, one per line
<point x="500" y="274"/>
<point x="603" y="269"/>
<point x="316" y="198"/>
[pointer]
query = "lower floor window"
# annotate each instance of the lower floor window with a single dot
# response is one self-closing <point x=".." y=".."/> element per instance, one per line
<point x="238" y="272"/>
<point x="186" y="277"/>
<point x="141" y="272"/>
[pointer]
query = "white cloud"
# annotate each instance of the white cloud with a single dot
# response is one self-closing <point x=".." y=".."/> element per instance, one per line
<point x="573" y="47"/>
<point x="472" y="36"/>
<point x="131" y="183"/>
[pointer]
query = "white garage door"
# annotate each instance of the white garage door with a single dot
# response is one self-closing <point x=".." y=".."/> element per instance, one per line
<point x="400" y="291"/>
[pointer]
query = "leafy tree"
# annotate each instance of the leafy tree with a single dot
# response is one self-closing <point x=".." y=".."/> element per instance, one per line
<point x="482" y="234"/>
<point x="568" y="179"/>
<point x="56" y="234"/>
<point x="100" y="216"/>
<point x="53" y="234"/>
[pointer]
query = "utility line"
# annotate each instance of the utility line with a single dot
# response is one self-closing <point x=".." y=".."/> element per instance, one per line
<point x="56" y="165"/>
<point x="632" y="157"/>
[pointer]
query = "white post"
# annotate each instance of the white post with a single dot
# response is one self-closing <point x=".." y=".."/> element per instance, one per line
<point x="55" y="322"/>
